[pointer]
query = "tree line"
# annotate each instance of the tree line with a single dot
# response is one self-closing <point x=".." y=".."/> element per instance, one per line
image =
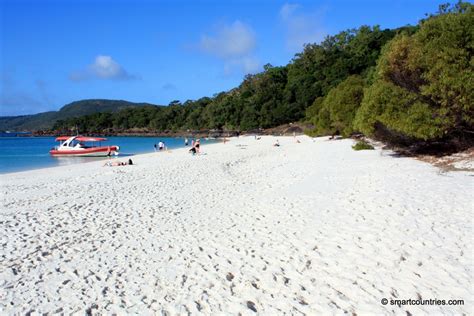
<point x="405" y="85"/>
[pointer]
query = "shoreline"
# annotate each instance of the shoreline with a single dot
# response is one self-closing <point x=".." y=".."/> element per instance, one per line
<point x="311" y="227"/>
<point x="40" y="159"/>
<point x="458" y="162"/>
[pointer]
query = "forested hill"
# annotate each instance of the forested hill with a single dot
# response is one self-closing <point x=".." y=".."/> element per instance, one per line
<point x="276" y="96"/>
<point x="46" y="120"/>
<point x="408" y="85"/>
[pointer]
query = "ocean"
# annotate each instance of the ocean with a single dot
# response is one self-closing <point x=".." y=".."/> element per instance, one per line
<point x="27" y="153"/>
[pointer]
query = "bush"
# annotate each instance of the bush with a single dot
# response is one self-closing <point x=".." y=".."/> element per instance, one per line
<point x="311" y="132"/>
<point x="335" y="113"/>
<point x="362" y="145"/>
<point x="423" y="87"/>
<point x="342" y="103"/>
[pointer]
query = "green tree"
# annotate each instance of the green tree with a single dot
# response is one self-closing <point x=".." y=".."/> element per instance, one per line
<point x="424" y="82"/>
<point x="321" y="67"/>
<point x="335" y="113"/>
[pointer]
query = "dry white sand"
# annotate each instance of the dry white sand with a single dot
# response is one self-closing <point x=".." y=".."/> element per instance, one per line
<point x="306" y="228"/>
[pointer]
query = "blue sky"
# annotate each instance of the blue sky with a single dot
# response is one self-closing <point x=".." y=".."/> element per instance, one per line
<point x="56" y="52"/>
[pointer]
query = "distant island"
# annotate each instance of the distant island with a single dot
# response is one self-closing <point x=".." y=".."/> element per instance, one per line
<point x="410" y="86"/>
<point x="45" y="121"/>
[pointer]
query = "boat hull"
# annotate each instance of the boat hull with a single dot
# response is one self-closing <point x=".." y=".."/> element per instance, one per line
<point x="86" y="152"/>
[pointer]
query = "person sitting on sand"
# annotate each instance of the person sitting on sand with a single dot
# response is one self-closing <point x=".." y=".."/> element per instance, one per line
<point x="277" y="144"/>
<point x="197" y="145"/>
<point x="193" y="150"/>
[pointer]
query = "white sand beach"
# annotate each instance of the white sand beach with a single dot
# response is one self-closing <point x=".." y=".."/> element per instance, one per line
<point x="306" y="228"/>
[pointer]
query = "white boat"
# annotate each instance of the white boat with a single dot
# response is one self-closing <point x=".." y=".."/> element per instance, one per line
<point x="76" y="146"/>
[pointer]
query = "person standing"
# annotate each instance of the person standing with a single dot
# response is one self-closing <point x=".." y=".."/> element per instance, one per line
<point x="186" y="141"/>
<point x="197" y="145"/>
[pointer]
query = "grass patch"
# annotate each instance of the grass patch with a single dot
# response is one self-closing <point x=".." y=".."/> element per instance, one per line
<point x="362" y="145"/>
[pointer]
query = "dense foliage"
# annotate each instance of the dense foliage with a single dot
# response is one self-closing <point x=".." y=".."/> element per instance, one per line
<point x="421" y="91"/>
<point x="335" y="113"/>
<point x="424" y="85"/>
<point x="46" y="120"/>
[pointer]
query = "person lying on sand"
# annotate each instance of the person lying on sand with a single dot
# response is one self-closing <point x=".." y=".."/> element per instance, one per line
<point x="112" y="164"/>
<point x="118" y="163"/>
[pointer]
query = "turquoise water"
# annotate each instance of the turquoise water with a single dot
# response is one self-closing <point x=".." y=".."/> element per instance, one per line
<point x="26" y="153"/>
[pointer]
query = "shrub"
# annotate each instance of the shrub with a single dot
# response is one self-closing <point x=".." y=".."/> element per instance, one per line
<point x="335" y="113"/>
<point x="362" y="145"/>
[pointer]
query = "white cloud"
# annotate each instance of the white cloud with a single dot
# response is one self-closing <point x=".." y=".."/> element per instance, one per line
<point x="246" y="65"/>
<point x="104" y="67"/>
<point x="234" y="40"/>
<point x="301" y="27"/>
<point x="234" y="44"/>
<point x="287" y="10"/>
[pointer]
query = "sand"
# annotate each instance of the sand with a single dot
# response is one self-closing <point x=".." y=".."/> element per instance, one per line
<point x="306" y="228"/>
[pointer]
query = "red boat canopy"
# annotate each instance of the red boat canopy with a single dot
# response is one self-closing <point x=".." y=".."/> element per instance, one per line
<point x="81" y="139"/>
